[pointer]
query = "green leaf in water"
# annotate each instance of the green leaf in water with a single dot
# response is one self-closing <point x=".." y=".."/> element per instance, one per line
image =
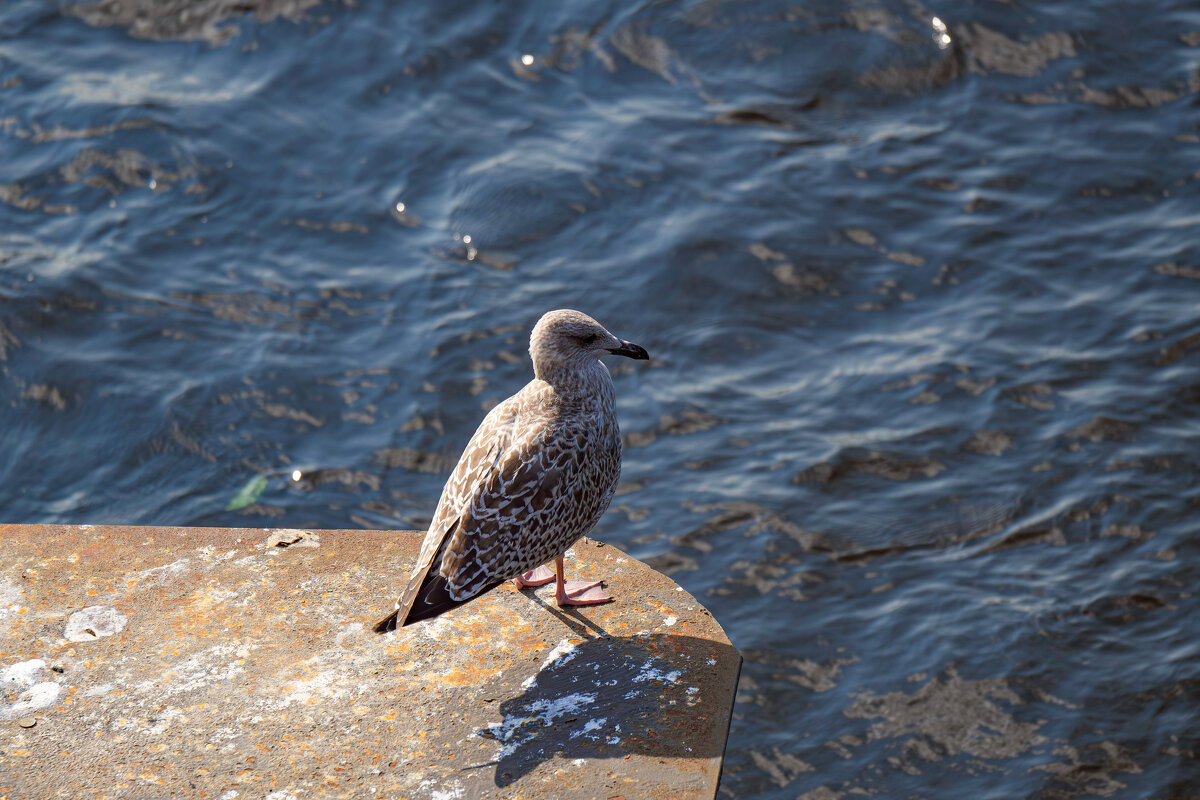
<point x="248" y="494"/>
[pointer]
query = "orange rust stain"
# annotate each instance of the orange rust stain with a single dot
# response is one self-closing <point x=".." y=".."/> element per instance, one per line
<point x="459" y="677"/>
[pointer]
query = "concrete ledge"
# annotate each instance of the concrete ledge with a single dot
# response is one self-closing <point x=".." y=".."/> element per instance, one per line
<point x="224" y="663"/>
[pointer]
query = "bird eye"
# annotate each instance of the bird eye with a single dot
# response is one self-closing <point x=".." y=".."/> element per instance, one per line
<point x="591" y="338"/>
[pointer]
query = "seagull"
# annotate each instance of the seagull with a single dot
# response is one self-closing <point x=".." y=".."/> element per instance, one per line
<point x="537" y="475"/>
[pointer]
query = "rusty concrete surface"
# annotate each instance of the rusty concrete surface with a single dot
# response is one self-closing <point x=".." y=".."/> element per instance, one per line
<point x="226" y="663"/>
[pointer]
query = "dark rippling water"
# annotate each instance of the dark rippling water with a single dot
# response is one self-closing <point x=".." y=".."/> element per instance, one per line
<point x="921" y="425"/>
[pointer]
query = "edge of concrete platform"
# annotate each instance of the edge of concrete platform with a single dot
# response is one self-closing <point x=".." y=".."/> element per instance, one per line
<point x="232" y="663"/>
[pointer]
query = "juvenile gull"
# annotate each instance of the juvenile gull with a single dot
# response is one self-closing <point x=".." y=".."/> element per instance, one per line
<point x="536" y="476"/>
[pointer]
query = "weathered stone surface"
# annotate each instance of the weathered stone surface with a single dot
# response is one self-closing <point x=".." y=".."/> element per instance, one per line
<point x="241" y="664"/>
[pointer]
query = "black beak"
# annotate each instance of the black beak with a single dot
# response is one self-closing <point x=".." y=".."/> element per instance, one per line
<point x="631" y="350"/>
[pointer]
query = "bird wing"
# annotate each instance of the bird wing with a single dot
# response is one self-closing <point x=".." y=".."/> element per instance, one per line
<point x="500" y="534"/>
<point x="515" y="518"/>
<point x="478" y="460"/>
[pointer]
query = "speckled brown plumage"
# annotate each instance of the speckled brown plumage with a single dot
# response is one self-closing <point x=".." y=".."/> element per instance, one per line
<point x="536" y="476"/>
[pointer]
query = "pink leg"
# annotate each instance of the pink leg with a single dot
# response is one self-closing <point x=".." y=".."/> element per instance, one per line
<point x="535" y="577"/>
<point x="576" y="593"/>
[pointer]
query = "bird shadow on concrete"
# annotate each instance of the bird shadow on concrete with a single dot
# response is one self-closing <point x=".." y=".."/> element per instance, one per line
<point x="658" y="695"/>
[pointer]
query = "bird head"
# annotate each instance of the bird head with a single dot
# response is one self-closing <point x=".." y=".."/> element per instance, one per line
<point x="564" y="338"/>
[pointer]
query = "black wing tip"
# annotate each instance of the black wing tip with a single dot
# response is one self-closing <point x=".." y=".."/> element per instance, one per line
<point x="434" y="599"/>
<point x="388" y="623"/>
